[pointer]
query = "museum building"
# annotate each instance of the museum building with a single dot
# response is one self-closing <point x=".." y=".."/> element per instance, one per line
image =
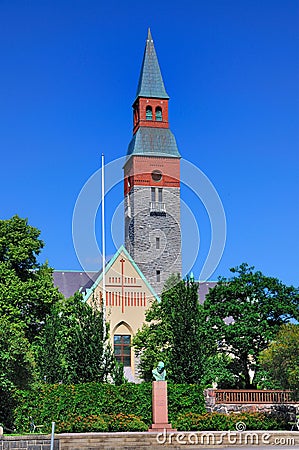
<point x="135" y="275"/>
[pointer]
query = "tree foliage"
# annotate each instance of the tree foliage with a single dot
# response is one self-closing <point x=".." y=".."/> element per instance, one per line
<point x="16" y="356"/>
<point x="27" y="291"/>
<point x="26" y="296"/>
<point x="245" y="312"/>
<point x="19" y="245"/>
<point x="175" y="333"/>
<point x="281" y="358"/>
<point x="73" y="346"/>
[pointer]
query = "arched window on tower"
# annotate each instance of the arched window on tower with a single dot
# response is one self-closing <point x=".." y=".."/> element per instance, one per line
<point x="159" y="114"/>
<point x="136" y="116"/>
<point x="149" y="113"/>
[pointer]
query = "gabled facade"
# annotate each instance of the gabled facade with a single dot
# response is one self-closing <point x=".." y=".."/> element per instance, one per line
<point x="127" y="297"/>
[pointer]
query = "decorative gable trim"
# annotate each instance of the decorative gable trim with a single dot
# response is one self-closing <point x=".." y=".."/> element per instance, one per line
<point x="123" y="250"/>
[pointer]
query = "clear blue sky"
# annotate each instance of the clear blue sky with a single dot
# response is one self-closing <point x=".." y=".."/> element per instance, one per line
<point x="69" y="72"/>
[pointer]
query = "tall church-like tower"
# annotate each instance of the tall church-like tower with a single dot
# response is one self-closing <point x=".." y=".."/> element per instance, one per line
<point x="152" y="180"/>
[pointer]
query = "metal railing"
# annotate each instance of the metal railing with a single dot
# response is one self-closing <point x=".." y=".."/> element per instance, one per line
<point x="254" y="396"/>
<point x="157" y="207"/>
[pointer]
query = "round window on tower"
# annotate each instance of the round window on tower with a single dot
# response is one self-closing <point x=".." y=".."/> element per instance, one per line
<point x="156" y="175"/>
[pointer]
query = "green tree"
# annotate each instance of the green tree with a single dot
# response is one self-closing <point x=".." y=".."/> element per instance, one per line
<point x="281" y="358"/>
<point x="73" y="346"/>
<point x="244" y="313"/>
<point x="16" y="356"/>
<point x="217" y="369"/>
<point x="175" y="333"/>
<point x="17" y="366"/>
<point x="27" y="291"/>
<point x="27" y="294"/>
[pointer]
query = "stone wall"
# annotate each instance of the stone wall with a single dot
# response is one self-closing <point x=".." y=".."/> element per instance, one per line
<point x="149" y="440"/>
<point x="29" y="442"/>
<point x="143" y="227"/>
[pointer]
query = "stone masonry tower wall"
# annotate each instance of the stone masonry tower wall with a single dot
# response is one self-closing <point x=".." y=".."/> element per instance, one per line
<point x="152" y="180"/>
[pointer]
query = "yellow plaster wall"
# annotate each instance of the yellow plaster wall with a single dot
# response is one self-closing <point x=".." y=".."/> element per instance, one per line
<point x="123" y="317"/>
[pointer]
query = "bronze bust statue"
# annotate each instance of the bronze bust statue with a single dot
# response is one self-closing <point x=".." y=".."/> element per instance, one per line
<point x="160" y="372"/>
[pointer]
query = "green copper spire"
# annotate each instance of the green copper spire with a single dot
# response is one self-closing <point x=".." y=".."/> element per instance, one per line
<point x="150" y="81"/>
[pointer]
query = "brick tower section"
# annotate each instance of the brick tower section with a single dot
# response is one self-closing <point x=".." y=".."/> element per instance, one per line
<point x="152" y="180"/>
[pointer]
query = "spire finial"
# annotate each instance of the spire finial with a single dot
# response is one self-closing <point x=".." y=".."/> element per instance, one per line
<point x="149" y="35"/>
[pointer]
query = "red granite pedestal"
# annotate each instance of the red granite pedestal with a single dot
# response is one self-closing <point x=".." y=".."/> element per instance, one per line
<point x="160" y="407"/>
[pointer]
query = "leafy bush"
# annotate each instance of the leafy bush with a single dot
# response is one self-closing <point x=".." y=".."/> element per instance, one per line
<point x="227" y="422"/>
<point x="104" y="423"/>
<point x="81" y="424"/>
<point x="126" y="422"/>
<point x="185" y="398"/>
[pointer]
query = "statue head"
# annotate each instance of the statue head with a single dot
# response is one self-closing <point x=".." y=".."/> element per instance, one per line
<point x="160" y="366"/>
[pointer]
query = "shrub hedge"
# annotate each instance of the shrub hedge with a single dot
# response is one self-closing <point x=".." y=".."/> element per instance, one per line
<point x="99" y="406"/>
<point x="118" y="422"/>
<point x="105" y="407"/>
<point x="228" y="422"/>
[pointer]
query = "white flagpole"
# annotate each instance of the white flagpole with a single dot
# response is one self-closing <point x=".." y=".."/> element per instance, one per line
<point x="103" y="251"/>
